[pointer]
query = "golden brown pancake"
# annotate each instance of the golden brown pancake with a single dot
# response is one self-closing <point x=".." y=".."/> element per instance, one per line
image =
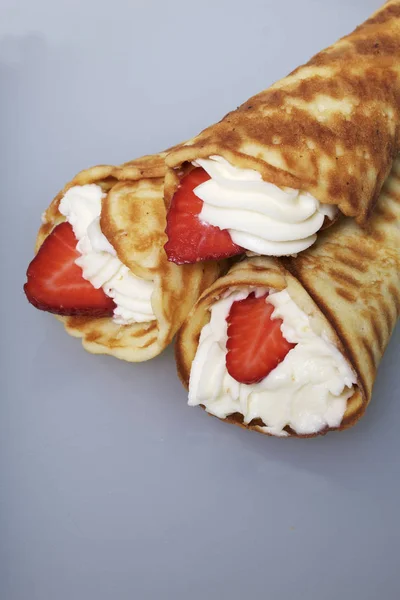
<point x="133" y="220"/>
<point x="348" y="284"/>
<point x="331" y="127"/>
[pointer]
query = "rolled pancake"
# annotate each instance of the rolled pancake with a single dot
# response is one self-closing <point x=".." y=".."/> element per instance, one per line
<point x="133" y="220"/>
<point x="330" y="128"/>
<point x="348" y="284"/>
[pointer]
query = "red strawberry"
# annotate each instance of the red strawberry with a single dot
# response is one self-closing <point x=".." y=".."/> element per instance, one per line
<point x="256" y="344"/>
<point x="55" y="282"/>
<point x="189" y="239"/>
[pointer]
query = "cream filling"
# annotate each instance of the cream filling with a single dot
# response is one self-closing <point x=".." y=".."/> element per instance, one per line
<point x="81" y="205"/>
<point x="259" y="216"/>
<point x="307" y="391"/>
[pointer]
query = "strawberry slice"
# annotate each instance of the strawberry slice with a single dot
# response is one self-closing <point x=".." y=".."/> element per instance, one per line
<point x="55" y="283"/>
<point x="189" y="239"/>
<point x="255" y="342"/>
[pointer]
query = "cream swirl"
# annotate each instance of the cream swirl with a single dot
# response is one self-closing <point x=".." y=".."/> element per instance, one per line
<point x="307" y="391"/>
<point x="81" y="205"/>
<point x="259" y="216"/>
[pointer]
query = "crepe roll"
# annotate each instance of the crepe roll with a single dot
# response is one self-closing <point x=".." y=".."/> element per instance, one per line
<point x="100" y="264"/>
<point x="289" y="161"/>
<point x="291" y="347"/>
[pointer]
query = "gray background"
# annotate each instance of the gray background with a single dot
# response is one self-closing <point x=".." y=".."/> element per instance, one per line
<point x="111" y="487"/>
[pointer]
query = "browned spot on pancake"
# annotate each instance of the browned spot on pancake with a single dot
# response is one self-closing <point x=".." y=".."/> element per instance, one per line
<point x="356" y="265"/>
<point x="290" y="159"/>
<point x="93" y="336"/>
<point x="231" y="137"/>
<point x="137" y="333"/>
<point x="386" y="313"/>
<point x="380" y="45"/>
<point x="149" y="342"/>
<point x="346" y="294"/>
<point x="341" y="276"/>
<point x="370" y="354"/>
<point x="294" y="131"/>
<point x="384" y="15"/>
<point x="82" y="321"/>
<point x="388" y="215"/>
<point x="46" y="229"/>
<point x="378" y="236"/>
<point x="365" y="314"/>
<point x="377" y="333"/>
<point x="196" y="338"/>
<point x="362" y="250"/>
<point x="257" y="268"/>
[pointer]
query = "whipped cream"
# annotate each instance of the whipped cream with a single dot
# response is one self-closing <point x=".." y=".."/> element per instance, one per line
<point x="259" y="216"/>
<point x="307" y="391"/>
<point x="81" y="205"/>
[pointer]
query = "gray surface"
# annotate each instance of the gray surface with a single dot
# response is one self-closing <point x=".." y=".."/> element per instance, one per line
<point x="111" y="487"/>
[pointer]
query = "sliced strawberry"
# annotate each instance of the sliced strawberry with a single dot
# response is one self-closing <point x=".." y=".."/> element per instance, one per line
<point x="255" y="342"/>
<point x="189" y="239"/>
<point x="55" y="282"/>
